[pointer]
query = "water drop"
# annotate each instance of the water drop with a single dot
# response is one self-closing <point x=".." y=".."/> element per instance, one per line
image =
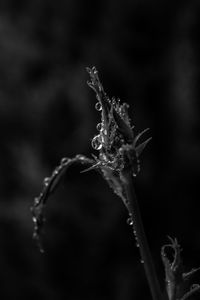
<point x="96" y="144"/>
<point x="55" y="172"/>
<point x="135" y="233"/>
<point x="137" y="245"/>
<point x="126" y="202"/>
<point x="103" y="157"/>
<point x="98" y="106"/>
<point x="34" y="219"/>
<point x="36" y="201"/>
<point x="105" y="131"/>
<point x="64" y="160"/>
<point x="94" y="70"/>
<point x="46" y="181"/>
<point x="80" y="157"/>
<point x="134" y="174"/>
<point x="113" y="101"/>
<point x="99" y="126"/>
<point x="142" y="261"/>
<point x="129" y="221"/>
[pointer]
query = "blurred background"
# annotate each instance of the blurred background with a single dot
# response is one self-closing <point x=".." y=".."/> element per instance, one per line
<point x="147" y="54"/>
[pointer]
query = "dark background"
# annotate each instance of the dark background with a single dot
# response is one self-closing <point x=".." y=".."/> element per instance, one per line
<point x="147" y="53"/>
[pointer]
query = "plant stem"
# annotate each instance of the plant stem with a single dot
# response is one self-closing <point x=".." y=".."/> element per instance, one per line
<point x="146" y="258"/>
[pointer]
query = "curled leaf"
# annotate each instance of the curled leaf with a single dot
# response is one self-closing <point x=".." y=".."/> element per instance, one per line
<point x="175" y="278"/>
<point x="50" y="184"/>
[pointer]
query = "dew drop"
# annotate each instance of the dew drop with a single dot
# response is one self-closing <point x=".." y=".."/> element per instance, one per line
<point x="129" y="221"/>
<point x="137" y="245"/>
<point x="46" y="181"/>
<point x="135" y="233"/>
<point x="98" y="106"/>
<point x="96" y="144"/>
<point x="113" y="101"/>
<point x="126" y="202"/>
<point x="64" y="160"/>
<point x="34" y="219"/>
<point x="55" y="172"/>
<point x="94" y="70"/>
<point x="36" y="201"/>
<point x="80" y="157"/>
<point x="142" y="261"/>
<point x="99" y="126"/>
<point x="105" y="131"/>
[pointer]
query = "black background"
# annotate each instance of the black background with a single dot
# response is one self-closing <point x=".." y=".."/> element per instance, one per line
<point x="147" y="53"/>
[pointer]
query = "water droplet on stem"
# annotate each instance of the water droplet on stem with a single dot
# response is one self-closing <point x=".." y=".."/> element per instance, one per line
<point x="99" y="126"/>
<point x="129" y="221"/>
<point x="98" y="106"/>
<point x="36" y="201"/>
<point x="96" y="144"/>
<point x="64" y="160"/>
<point x="46" y="181"/>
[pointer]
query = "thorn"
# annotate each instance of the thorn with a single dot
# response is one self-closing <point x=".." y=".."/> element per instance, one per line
<point x="141" y="147"/>
<point x="91" y="168"/>
<point x="139" y="136"/>
<point x="187" y="275"/>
